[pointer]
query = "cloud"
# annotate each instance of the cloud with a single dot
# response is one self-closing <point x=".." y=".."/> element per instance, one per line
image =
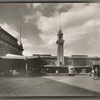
<point x="63" y="7"/>
<point x="77" y="24"/>
<point x="76" y="18"/>
<point x="28" y="5"/>
<point x="38" y="9"/>
<point x="79" y="6"/>
<point x="26" y="44"/>
<point x="32" y="18"/>
<point x="67" y="7"/>
<point x="28" y="18"/>
<point x="28" y="47"/>
<point x="10" y="29"/>
<point x="36" y="5"/>
<point x="27" y="53"/>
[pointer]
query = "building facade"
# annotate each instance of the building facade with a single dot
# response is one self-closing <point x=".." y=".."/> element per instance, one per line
<point x="8" y="44"/>
<point x="77" y="60"/>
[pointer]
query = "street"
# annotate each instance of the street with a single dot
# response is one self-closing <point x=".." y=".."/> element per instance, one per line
<point x="79" y="85"/>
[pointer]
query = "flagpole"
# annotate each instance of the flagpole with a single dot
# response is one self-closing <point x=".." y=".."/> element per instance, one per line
<point x="20" y="33"/>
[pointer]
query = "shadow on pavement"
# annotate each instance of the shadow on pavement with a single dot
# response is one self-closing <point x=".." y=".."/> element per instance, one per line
<point x="62" y="89"/>
<point x="51" y="89"/>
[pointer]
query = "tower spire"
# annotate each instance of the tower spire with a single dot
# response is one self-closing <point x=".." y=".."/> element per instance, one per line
<point x="60" y="22"/>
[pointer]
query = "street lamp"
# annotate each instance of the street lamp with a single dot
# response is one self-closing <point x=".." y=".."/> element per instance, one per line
<point x="98" y="60"/>
<point x="26" y="65"/>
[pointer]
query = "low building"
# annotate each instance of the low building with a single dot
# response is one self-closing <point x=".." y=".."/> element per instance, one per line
<point x="77" y="60"/>
<point x="80" y="62"/>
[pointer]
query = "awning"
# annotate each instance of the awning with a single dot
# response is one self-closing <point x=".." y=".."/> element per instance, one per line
<point x="10" y="56"/>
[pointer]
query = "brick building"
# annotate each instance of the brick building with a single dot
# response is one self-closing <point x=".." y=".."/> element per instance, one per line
<point x="8" y="44"/>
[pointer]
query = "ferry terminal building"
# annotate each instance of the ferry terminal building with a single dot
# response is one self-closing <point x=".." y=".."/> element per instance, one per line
<point x="8" y="44"/>
<point x="80" y="62"/>
<point x="61" y="62"/>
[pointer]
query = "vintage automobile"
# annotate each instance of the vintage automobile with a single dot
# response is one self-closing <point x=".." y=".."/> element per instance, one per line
<point x="14" y="73"/>
<point x="71" y="70"/>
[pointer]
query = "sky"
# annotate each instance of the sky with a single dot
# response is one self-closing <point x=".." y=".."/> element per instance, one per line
<point x="40" y="23"/>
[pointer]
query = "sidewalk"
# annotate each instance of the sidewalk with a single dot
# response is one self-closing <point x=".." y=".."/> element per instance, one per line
<point x="64" y="74"/>
<point x="81" y="81"/>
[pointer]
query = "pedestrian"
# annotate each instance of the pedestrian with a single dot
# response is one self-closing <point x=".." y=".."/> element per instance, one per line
<point x="96" y="71"/>
<point x="57" y="71"/>
<point x="93" y="74"/>
<point x="2" y="74"/>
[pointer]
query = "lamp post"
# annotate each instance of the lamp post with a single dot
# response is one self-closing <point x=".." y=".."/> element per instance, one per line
<point x="26" y="65"/>
<point x="97" y="59"/>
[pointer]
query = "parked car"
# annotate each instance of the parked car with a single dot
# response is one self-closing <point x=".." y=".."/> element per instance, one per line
<point x="14" y="72"/>
<point x="71" y="70"/>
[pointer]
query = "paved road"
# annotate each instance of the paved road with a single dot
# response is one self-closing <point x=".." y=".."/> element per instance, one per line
<point x="80" y="85"/>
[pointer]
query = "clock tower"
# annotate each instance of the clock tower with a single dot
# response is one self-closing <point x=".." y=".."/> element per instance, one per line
<point x="60" y="48"/>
